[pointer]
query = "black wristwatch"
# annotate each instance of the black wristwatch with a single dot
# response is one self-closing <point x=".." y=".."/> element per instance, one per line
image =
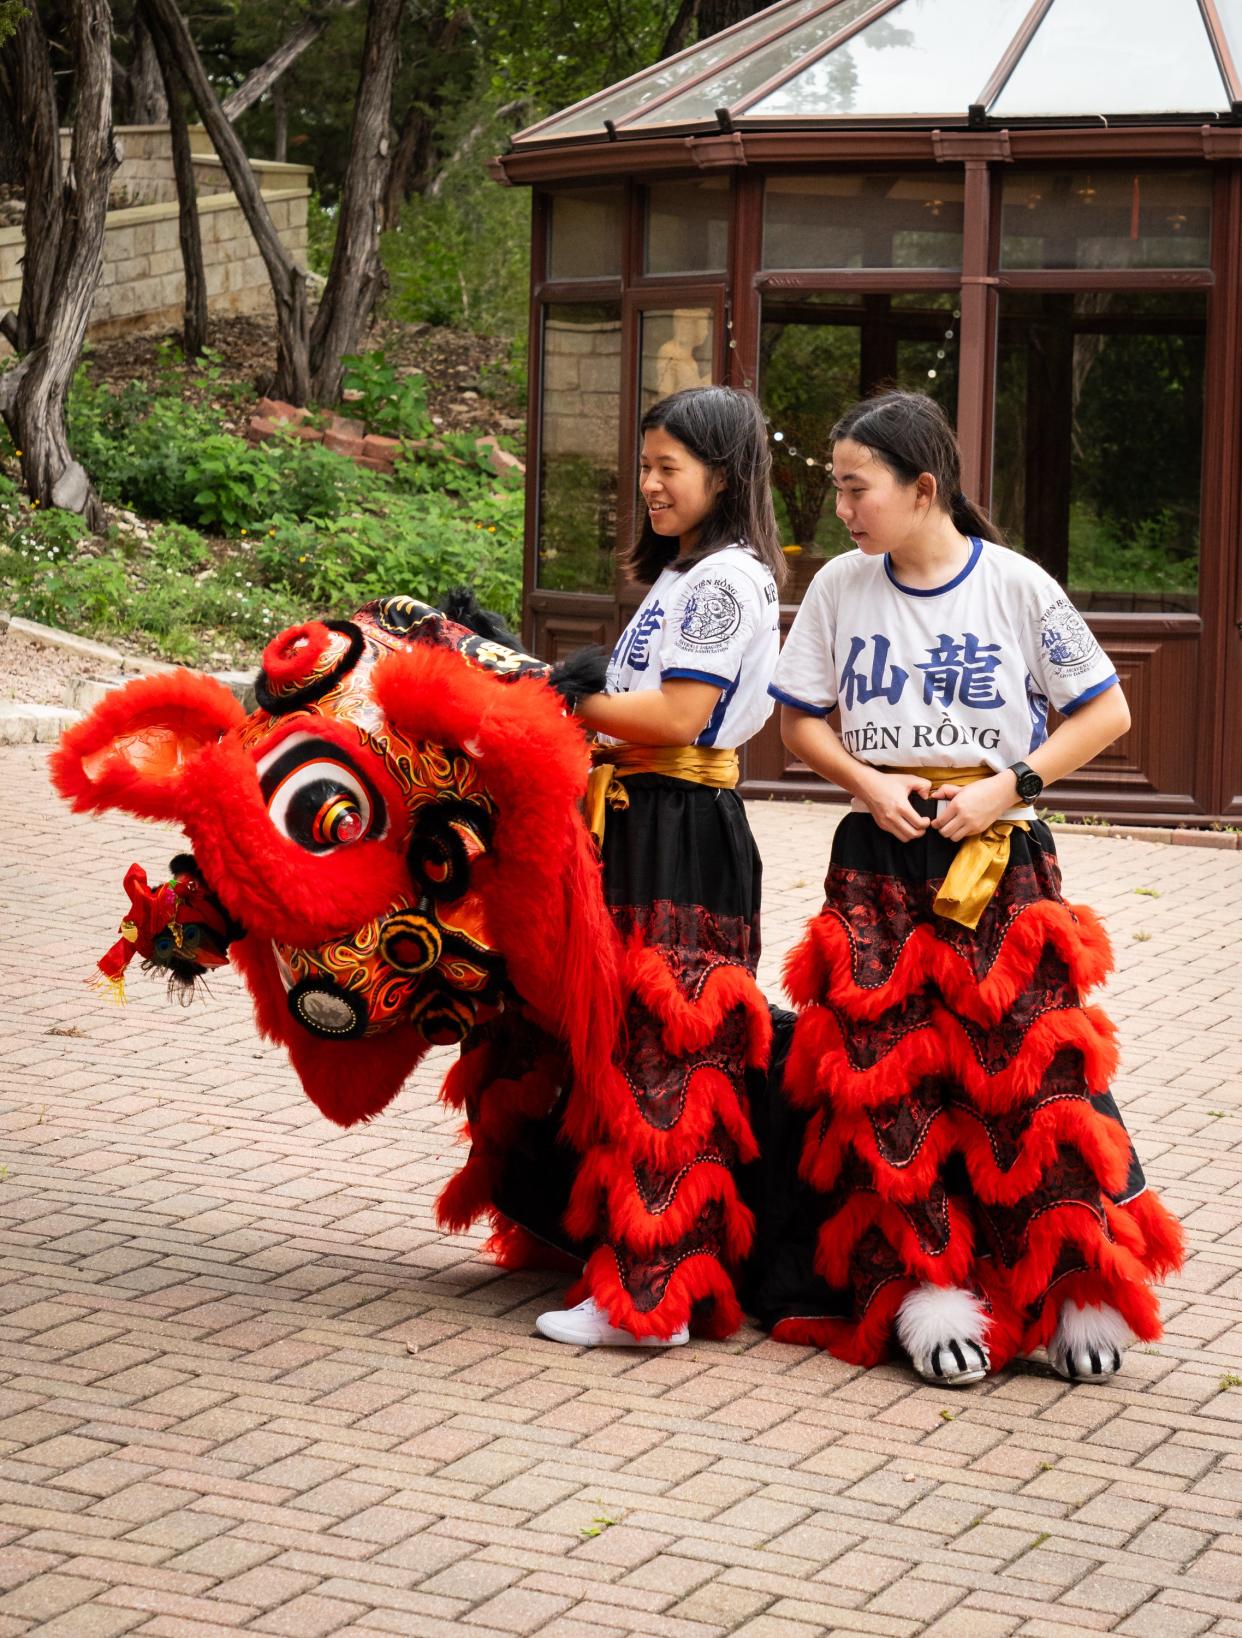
<point x="1030" y="785"/>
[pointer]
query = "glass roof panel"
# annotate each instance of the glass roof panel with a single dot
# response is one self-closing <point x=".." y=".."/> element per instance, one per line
<point x="731" y="84"/>
<point x="1116" y="57"/>
<point x="588" y="118"/>
<point x="1230" y="14"/>
<point x="923" y="57"/>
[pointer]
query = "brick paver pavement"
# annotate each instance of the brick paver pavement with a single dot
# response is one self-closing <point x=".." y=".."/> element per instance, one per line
<point x="246" y="1384"/>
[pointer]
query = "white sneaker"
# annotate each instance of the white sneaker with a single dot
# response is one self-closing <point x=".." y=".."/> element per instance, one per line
<point x="587" y="1326"/>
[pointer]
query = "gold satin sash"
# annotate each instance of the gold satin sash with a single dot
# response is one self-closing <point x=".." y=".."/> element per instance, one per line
<point x="980" y="861"/>
<point x="701" y="764"/>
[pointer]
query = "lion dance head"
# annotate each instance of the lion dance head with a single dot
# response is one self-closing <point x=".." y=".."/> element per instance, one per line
<point x="388" y="848"/>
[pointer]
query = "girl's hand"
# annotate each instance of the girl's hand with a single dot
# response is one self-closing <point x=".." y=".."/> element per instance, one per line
<point x="970" y="809"/>
<point x="887" y="797"/>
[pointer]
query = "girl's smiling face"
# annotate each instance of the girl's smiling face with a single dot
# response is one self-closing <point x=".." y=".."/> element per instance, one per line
<point x="879" y="510"/>
<point x="678" y="488"/>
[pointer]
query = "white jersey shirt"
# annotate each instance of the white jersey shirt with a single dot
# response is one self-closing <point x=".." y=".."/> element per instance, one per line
<point x="951" y="676"/>
<point x="718" y="622"/>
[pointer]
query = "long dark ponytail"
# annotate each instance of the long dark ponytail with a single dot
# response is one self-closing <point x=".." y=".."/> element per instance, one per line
<point x="911" y="434"/>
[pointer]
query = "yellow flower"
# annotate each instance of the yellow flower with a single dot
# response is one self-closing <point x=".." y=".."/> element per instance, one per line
<point x="491" y="528"/>
<point x="243" y="531"/>
<point x="271" y="531"/>
<point x="18" y="453"/>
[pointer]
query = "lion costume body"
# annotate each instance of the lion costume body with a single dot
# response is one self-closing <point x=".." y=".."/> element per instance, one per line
<point x="390" y="851"/>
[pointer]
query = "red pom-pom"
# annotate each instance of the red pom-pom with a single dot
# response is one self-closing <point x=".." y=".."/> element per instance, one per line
<point x="292" y="657"/>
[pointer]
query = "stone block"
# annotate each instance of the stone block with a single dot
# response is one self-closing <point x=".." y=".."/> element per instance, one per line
<point x="275" y="409"/>
<point x="347" y="426"/>
<point x="379" y="448"/>
<point x="500" y="460"/>
<point x="374" y="463"/>
<point x="600" y="375"/>
<point x="342" y="445"/>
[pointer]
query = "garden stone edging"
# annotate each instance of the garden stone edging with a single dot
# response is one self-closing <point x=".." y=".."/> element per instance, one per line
<point x="347" y="436"/>
<point x="26" y="724"/>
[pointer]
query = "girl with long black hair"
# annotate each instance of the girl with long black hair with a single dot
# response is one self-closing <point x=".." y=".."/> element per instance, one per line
<point x="655" y="1202"/>
<point x="966" y="1184"/>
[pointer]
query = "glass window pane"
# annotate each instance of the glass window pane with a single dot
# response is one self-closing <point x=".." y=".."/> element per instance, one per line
<point x="1230" y="14"/>
<point x="677" y="352"/>
<point x="578" y="447"/>
<point x="820" y="353"/>
<point x="665" y="76"/>
<point x="1116" y="57"/>
<point x="1107" y="219"/>
<point x="732" y="84"/>
<point x="1099" y="432"/>
<point x="688" y="226"/>
<point x="863" y="221"/>
<point x="924" y="57"/>
<point x="586" y="234"/>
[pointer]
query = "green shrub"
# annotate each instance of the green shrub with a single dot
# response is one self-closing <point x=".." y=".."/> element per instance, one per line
<point x="393" y="405"/>
<point x="418" y="544"/>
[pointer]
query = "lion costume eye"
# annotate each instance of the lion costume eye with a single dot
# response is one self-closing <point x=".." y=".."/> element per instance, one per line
<point x="316" y="797"/>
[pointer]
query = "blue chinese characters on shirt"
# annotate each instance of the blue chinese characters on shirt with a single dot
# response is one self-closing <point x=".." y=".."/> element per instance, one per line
<point x="951" y="676"/>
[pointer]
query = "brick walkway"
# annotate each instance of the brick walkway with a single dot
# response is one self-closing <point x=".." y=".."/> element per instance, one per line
<point x="246" y="1384"/>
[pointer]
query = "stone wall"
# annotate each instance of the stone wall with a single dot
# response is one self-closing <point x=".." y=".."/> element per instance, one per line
<point x="142" y="287"/>
<point x="582" y="389"/>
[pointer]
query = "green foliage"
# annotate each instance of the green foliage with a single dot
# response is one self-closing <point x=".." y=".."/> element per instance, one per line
<point x="421" y="544"/>
<point x="463" y="257"/>
<point x="321" y="223"/>
<point x="391" y="404"/>
<point x="11" y="14"/>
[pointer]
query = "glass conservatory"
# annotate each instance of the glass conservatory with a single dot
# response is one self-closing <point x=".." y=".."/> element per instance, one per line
<point x="1032" y="211"/>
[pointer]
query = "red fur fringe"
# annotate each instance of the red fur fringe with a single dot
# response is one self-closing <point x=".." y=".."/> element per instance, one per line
<point x="504" y="1106"/>
<point x="840" y="1233"/>
<point x="819" y="1069"/>
<point x="512" y="1247"/>
<point x="699" y="1279"/>
<point x="1145" y="1244"/>
<point x="822" y="964"/>
<point x="545" y="900"/>
<point x="187" y="711"/>
<point x="691" y="1025"/>
<point x="605" y="1182"/>
<point x="865" y="1341"/>
<point x="1101" y="1142"/>
<point x="347" y="1081"/>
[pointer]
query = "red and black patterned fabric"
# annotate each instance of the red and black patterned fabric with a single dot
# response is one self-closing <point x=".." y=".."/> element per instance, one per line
<point x="947" y="1111"/>
<point x="638" y="1176"/>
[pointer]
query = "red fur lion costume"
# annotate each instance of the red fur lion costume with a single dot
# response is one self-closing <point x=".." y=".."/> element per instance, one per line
<point x="390" y="851"/>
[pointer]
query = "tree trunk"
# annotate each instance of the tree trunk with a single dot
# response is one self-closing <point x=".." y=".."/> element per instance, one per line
<point x="717" y="14"/>
<point x="146" y="100"/>
<point x="356" y="276"/>
<point x="410" y="171"/>
<point x="288" y="279"/>
<point x="413" y="167"/>
<point x="34" y="115"/>
<point x="280" y="116"/>
<point x="194" y="326"/>
<point x="285" y="55"/>
<point x="32" y="396"/>
<point x="679" y="31"/>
